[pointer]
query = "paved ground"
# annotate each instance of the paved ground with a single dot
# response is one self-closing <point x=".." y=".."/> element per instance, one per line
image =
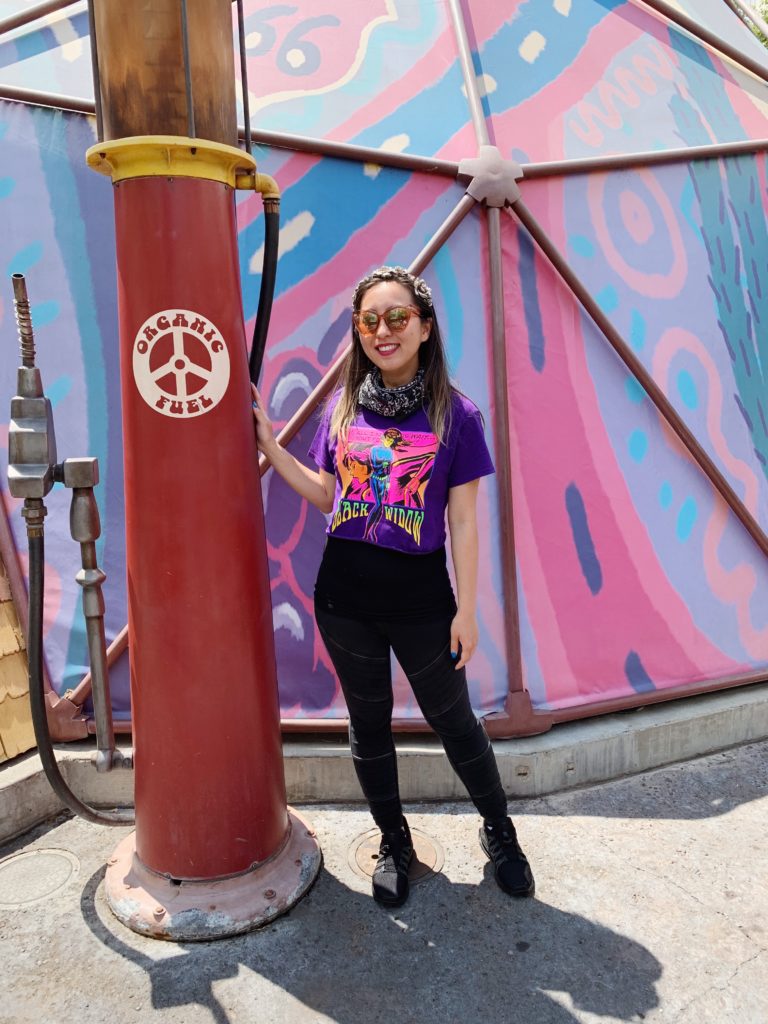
<point x="651" y="905"/>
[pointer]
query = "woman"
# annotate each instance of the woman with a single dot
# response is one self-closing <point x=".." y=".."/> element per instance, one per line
<point x="383" y="584"/>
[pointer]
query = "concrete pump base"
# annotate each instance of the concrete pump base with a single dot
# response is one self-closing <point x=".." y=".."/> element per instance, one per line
<point x="196" y="911"/>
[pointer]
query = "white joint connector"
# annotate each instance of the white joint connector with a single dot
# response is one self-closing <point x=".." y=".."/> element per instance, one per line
<point x="493" y="179"/>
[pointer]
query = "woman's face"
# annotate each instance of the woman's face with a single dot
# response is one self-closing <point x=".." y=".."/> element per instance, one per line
<point x="395" y="353"/>
<point x="358" y="470"/>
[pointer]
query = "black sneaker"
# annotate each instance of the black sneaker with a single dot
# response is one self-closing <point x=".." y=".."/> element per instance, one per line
<point x="513" y="872"/>
<point x="390" y="876"/>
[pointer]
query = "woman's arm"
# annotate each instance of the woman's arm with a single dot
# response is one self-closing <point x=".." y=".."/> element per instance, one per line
<point x="462" y="524"/>
<point x="318" y="487"/>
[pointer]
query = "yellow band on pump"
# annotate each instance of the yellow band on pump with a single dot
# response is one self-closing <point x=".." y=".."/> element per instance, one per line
<point x="169" y="156"/>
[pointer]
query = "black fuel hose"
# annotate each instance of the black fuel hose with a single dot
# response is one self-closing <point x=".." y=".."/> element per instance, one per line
<point x="37" y="694"/>
<point x="267" y="290"/>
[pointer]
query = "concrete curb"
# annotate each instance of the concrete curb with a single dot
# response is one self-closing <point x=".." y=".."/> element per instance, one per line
<point x="320" y="771"/>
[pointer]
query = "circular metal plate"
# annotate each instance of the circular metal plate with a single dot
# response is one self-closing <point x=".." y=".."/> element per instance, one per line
<point x="428" y="856"/>
<point x="34" y="875"/>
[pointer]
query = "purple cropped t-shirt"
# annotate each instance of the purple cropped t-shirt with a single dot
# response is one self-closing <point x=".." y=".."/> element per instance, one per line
<point x="393" y="478"/>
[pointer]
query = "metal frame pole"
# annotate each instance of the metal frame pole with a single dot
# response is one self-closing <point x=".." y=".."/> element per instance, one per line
<point x="747" y="13"/>
<point x="244" y="76"/>
<point x="423" y="164"/>
<point x="503" y="460"/>
<point x="33" y="14"/>
<point x="95" y="71"/>
<point x="187" y="71"/>
<point x="633" y="364"/>
<point x="541" y="721"/>
<point x="468" y="71"/>
<point x="627" y="161"/>
<point x="464" y="206"/>
<point x="350" y="151"/>
<point x="704" y="35"/>
<point x="517" y="703"/>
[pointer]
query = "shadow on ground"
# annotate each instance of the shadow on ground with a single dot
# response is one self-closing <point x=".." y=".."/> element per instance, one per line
<point x="455" y="952"/>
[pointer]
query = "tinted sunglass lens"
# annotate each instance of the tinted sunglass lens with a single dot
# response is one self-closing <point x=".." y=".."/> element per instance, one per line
<point x="397" y="319"/>
<point x="367" y="323"/>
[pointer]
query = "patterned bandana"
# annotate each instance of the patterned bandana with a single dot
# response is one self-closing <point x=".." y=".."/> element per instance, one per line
<point x="395" y="402"/>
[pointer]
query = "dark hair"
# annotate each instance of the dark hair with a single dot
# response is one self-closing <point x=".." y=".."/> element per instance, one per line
<point x="395" y="436"/>
<point x="438" y="390"/>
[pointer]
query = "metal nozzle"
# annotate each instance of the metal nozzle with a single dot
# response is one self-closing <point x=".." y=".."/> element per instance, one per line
<point x="31" y="440"/>
<point x="24" y="321"/>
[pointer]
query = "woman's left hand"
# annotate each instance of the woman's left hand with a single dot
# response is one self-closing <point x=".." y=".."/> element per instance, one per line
<point x="464" y="634"/>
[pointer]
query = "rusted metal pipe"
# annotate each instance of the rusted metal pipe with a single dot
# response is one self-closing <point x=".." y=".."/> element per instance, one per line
<point x="33" y="13"/>
<point x="56" y="101"/>
<point x="336" y="726"/>
<point x="350" y="151"/>
<point x="275" y="140"/>
<point x="503" y="462"/>
<point x="635" y="366"/>
<point x="614" y="704"/>
<point x="423" y="164"/>
<point x="94" y="47"/>
<point x="146" y="82"/>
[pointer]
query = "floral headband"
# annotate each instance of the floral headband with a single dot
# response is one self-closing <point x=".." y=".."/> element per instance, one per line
<point x="420" y="287"/>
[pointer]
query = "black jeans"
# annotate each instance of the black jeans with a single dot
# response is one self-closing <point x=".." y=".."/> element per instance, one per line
<point x="360" y="652"/>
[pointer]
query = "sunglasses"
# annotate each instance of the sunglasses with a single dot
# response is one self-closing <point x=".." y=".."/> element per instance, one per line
<point x="396" y="318"/>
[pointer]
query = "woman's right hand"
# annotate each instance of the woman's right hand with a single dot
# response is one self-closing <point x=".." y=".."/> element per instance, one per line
<point x="316" y="486"/>
<point x="265" y="433"/>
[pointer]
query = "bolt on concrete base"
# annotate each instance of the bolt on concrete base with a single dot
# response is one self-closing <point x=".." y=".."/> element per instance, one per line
<point x="195" y="911"/>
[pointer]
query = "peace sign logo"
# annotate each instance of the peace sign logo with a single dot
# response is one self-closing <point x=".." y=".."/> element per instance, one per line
<point x="180" y="363"/>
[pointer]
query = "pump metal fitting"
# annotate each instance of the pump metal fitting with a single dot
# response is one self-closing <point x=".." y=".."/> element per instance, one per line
<point x="32" y="472"/>
<point x="264" y="184"/>
<point x="494" y="179"/>
<point x="79" y="473"/>
<point x="24" y="321"/>
<point x="82" y="475"/>
<point x="31" y="444"/>
<point x="34" y="512"/>
<point x="31" y="438"/>
<point x="256" y="182"/>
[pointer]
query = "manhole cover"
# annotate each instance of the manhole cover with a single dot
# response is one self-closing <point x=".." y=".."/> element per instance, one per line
<point x="428" y="857"/>
<point x="34" y="875"/>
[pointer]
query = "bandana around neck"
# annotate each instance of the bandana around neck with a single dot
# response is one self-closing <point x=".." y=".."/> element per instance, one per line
<point x="396" y="402"/>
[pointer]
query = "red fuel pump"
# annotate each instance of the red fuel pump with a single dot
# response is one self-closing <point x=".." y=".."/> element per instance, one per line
<point x="216" y="850"/>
